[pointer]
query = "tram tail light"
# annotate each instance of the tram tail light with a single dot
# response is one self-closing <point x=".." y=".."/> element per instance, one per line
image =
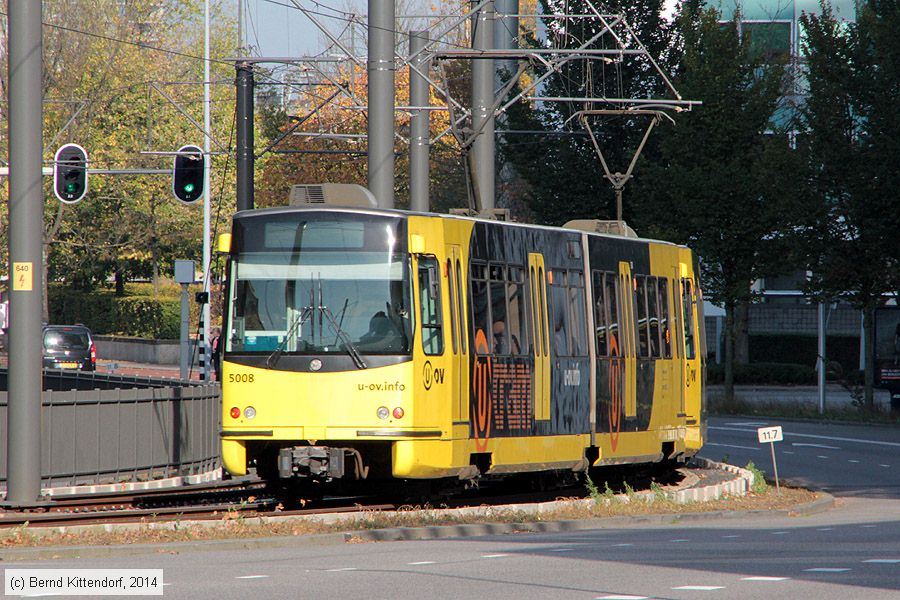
<point x="235" y="412"/>
<point x="398" y="413"/>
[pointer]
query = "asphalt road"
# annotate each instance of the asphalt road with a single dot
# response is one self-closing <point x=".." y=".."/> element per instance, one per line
<point x="844" y="460"/>
<point x="850" y="551"/>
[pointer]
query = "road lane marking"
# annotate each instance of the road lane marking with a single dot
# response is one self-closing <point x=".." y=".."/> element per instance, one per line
<point x="561" y="549"/>
<point x="821" y="456"/>
<point x="621" y="545"/>
<point x="813" y="436"/>
<point x="885" y="466"/>
<point x="701" y="588"/>
<point x="804" y="444"/>
<point x="342" y="569"/>
<point x="825" y="529"/>
<point x="764" y="578"/>
<point x="731" y="536"/>
<point x="422" y="562"/>
<point x="622" y="598"/>
<point x="780" y="532"/>
<point x="253" y="577"/>
<point x="731" y="446"/>
<point x="883" y="561"/>
<point x="493" y="555"/>
<point x="853" y="461"/>
<point x="827" y="570"/>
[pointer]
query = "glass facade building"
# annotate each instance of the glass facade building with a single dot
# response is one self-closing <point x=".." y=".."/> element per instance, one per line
<point x="775" y="24"/>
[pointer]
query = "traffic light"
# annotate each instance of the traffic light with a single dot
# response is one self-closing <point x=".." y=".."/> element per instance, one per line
<point x="187" y="178"/>
<point x="70" y="181"/>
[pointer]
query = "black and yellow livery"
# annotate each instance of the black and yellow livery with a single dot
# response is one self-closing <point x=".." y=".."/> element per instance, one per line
<point x="370" y="344"/>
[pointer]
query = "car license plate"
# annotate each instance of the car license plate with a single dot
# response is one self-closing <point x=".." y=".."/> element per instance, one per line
<point x="68" y="365"/>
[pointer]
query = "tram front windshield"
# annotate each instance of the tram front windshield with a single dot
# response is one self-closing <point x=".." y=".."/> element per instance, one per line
<point x="319" y="283"/>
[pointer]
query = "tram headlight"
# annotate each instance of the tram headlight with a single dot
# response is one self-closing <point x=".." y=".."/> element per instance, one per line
<point x="250" y="412"/>
<point x="383" y="412"/>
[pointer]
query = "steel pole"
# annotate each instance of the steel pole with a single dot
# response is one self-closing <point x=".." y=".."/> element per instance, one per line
<point x="26" y="203"/>
<point x="506" y="37"/>
<point x="244" y="162"/>
<point x="820" y="359"/>
<point x="381" y="69"/>
<point x="419" y="127"/>
<point x="204" y="347"/>
<point x="481" y="156"/>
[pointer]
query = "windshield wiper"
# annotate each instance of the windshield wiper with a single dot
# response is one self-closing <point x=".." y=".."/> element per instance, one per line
<point x="298" y="321"/>
<point x="351" y="348"/>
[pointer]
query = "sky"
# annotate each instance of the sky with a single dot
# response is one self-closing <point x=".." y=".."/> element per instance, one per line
<point x="277" y="28"/>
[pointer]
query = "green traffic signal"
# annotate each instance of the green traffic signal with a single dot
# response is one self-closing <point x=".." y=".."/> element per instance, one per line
<point x="189" y="188"/>
<point x="71" y="187"/>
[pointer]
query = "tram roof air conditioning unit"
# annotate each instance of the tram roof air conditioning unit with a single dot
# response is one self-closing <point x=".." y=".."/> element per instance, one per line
<point x="332" y="194"/>
<point x="599" y="226"/>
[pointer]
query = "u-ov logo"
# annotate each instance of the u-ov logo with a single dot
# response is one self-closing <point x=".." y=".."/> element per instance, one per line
<point x="430" y="375"/>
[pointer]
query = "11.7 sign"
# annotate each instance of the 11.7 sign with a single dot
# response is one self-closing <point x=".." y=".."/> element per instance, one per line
<point x="770" y="434"/>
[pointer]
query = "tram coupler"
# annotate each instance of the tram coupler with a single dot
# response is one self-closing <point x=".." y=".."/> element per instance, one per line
<point x="314" y="462"/>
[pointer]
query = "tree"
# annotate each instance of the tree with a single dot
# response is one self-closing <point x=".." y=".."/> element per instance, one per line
<point x="564" y="154"/>
<point x="104" y="66"/>
<point x="331" y="148"/>
<point x="852" y="129"/>
<point x="721" y="181"/>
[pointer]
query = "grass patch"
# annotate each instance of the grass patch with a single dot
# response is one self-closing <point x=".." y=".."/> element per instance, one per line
<point x="855" y="413"/>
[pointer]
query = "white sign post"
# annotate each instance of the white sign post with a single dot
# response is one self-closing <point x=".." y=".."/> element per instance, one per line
<point x="771" y="435"/>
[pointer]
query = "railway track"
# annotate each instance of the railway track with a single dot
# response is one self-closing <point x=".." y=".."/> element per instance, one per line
<point x="251" y="498"/>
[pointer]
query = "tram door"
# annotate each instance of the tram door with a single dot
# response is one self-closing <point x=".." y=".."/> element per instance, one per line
<point x="457" y="325"/>
<point x="691" y="391"/>
<point x="678" y="340"/>
<point x="627" y="335"/>
<point x="540" y="345"/>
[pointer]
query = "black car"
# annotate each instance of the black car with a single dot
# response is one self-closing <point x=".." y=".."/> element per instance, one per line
<point x="69" y="347"/>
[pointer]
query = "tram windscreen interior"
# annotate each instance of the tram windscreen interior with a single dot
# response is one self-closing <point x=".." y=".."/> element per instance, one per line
<point x="312" y="283"/>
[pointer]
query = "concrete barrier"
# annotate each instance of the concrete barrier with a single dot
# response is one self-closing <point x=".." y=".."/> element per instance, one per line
<point x="836" y="396"/>
<point x="140" y="350"/>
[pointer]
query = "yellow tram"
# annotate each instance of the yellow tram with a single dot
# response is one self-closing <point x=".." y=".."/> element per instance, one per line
<point x="370" y="344"/>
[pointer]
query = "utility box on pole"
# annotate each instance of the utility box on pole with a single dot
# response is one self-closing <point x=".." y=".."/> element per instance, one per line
<point x="184" y="275"/>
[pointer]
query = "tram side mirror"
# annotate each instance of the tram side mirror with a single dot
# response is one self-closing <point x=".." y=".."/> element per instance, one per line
<point x="223" y="243"/>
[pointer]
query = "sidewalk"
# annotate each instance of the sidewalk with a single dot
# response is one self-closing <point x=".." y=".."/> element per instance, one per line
<point x="123" y="367"/>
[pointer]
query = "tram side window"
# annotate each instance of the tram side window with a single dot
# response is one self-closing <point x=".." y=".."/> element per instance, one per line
<point x="640" y="324"/>
<point x="576" y="320"/>
<point x="479" y="308"/>
<point x="559" y="340"/>
<point x="688" y="306"/>
<point x="430" y="302"/>
<point x="452" y="295"/>
<point x="500" y="338"/>
<point x="615" y="345"/>
<point x="517" y="324"/>
<point x="600" y="326"/>
<point x="459" y="297"/>
<point x="664" y="320"/>
<point x="653" y="317"/>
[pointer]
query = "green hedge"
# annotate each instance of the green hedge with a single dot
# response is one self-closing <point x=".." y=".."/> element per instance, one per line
<point x="803" y="349"/>
<point x="765" y="374"/>
<point x="106" y="314"/>
<point x="778" y="374"/>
